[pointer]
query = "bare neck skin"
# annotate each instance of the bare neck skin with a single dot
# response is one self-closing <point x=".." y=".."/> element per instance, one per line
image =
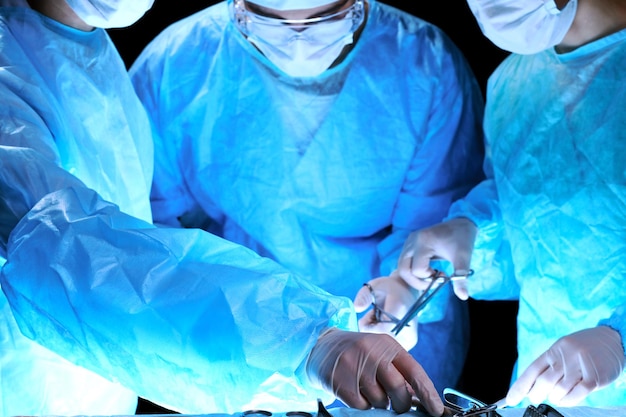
<point x="60" y="11"/>
<point x="594" y="19"/>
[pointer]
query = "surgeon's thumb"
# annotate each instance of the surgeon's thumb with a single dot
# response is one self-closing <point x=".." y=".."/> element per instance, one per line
<point x="414" y="271"/>
<point x="460" y="289"/>
<point x="363" y="299"/>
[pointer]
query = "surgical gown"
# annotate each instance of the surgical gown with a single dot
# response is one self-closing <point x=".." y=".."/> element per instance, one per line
<point x="556" y="133"/>
<point x="186" y="319"/>
<point x="327" y="175"/>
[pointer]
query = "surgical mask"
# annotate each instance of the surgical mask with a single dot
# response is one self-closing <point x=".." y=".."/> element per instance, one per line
<point x="523" y="26"/>
<point x="110" y="13"/>
<point x="300" y="48"/>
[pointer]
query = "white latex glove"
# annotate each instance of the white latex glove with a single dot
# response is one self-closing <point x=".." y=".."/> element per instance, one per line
<point x="573" y="367"/>
<point x="452" y="240"/>
<point x="394" y="296"/>
<point x="366" y="370"/>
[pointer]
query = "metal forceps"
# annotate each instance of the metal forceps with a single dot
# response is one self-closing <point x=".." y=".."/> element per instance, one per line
<point x="379" y="313"/>
<point x="465" y="406"/>
<point x="437" y="281"/>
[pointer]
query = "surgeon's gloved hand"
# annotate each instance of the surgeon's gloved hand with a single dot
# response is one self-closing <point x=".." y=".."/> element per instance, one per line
<point x="572" y="368"/>
<point x="366" y="370"/>
<point x="452" y="240"/>
<point x="391" y="297"/>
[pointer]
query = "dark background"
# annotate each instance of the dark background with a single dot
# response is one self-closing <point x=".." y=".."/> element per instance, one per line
<point x="493" y="329"/>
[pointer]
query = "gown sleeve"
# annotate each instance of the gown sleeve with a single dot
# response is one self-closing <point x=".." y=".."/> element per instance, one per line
<point x="182" y="317"/>
<point x="617" y="321"/>
<point x="448" y="161"/>
<point x="494" y="276"/>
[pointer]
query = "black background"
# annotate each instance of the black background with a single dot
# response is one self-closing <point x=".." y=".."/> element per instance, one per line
<point x="493" y="328"/>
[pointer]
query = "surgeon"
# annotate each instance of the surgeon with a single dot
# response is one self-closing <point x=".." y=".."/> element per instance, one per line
<point x="317" y="133"/>
<point x="548" y="225"/>
<point x="100" y="306"/>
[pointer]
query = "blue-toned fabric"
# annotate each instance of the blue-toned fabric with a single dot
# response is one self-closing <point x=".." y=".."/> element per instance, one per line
<point x="556" y="130"/>
<point x="617" y="321"/>
<point x="183" y="318"/>
<point x="327" y="175"/>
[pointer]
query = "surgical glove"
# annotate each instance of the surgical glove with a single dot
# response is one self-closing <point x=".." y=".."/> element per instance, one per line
<point x="366" y="370"/>
<point x="573" y="367"/>
<point x="391" y="297"/>
<point x="452" y="240"/>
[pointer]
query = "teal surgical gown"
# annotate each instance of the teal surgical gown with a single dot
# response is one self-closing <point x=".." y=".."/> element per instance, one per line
<point x="327" y="175"/>
<point x="186" y="319"/>
<point x="555" y="126"/>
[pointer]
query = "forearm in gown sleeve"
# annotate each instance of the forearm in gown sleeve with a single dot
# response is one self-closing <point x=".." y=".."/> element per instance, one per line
<point x="494" y="276"/>
<point x="182" y="317"/>
<point x="453" y="148"/>
<point x="617" y="321"/>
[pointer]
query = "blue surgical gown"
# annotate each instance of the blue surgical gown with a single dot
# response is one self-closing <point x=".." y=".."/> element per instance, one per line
<point x="186" y="319"/>
<point x="327" y="175"/>
<point x="556" y="196"/>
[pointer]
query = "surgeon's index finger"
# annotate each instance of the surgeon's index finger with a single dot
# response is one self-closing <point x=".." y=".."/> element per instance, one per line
<point x="395" y="386"/>
<point x="363" y="299"/>
<point x="420" y="382"/>
<point x="524" y="384"/>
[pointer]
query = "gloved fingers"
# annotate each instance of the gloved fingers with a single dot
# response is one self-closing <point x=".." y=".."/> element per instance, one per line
<point x="391" y="293"/>
<point x="526" y="381"/>
<point x="351" y="396"/>
<point x="407" y="337"/>
<point x="348" y="363"/>
<point x="574" y="366"/>
<point x="461" y="260"/>
<point x="414" y="261"/>
<point x="414" y="276"/>
<point x="396" y="388"/>
<point x="452" y="241"/>
<point x="551" y="376"/>
<point x="368" y="323"/>
<point x="358" y="367"/>
<point x="363" y="299"/>
<point x="391" y="298"/>
<point x="373" y="390"/>
<point x="598" y="359"/>
<point x="574" y="396"/>
<point x="378" y="385"/>
<point x="373" y="373"/>
<point x="422" y="385"/>
<point x="545" y="385"/>
<point x="460" y="289"/>
<point x="573" y="386"/>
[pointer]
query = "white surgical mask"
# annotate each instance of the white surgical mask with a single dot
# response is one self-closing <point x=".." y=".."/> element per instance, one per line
<point x="523" y="26"/>
<point x="302" y="48"/>
<point x="307" y="53"/>
<point x="110" y="13"/>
